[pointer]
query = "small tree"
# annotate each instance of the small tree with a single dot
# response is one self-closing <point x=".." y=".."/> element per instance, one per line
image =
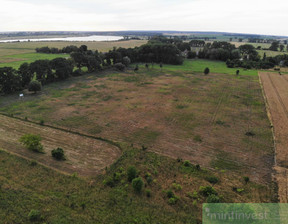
<point x="58" y="154"/>
<point x="161" y="66"/>
<point x="206" y="71"/>
<point x="246" y="179"/>
<point x="137" y="184"/>
<point x="131" y="173"/>
<point x="32" y="142"/>
<point x="34" y="86"/>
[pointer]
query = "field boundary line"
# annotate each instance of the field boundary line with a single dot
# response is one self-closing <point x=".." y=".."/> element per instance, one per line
<point x="267" y="108"/>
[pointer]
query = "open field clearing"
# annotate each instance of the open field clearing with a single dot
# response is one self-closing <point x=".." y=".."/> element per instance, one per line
<point x="85" y="156"/>
<point x="217" y="120"/>
<point x="276" y="91"/>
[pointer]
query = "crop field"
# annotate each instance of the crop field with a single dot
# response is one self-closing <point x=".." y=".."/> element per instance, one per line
<point x="218" y="120"/>
<point x="275" y="88"/>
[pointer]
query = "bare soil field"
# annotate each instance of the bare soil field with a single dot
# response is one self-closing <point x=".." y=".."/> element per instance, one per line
<point x="276" y="92"/>
<point x="218" y="121"/>
<point x="85" y="156"/>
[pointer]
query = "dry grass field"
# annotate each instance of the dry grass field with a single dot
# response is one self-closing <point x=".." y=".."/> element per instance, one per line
<point x="85" y="156"/>
<point x="218" y="120"/>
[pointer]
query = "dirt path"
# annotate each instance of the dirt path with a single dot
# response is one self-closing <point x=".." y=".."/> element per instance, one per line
<point x="86" y="156"/>
<point x="276" y="93"/>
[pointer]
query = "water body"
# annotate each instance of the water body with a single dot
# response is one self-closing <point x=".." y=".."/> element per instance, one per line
<point x="88" y="38"/>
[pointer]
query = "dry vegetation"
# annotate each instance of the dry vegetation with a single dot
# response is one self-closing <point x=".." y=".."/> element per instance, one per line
<point x="275" y="88"/>
<point x="218" y="120"/>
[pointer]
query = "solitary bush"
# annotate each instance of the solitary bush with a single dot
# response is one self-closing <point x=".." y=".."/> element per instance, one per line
<point x="212" y="179"/>
<point x="246" y="179"/>
<point x="131" y="173"/>
<point x="119" y="66"/>
<point x="137" y="184"/>
<point x="58" y="154"/>
<point x="32" y="142"/>
<point x="34" y="215"/>
<point x="34" y="86"/>
<point x="206" y="71"/>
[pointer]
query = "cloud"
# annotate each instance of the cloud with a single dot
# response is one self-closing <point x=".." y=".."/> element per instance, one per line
<point x="246" y="16"/>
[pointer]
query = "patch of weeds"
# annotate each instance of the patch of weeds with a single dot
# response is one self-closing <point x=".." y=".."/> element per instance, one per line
<point x="197" y="138"/>
<point x="181" y="106"/>
<point x="176" y="187"/>
<point x="250" y="133"/>
<point x="132" y="79"/>
<point x="106" y="98"/>
<point x="95" y="130"/>
<point x="219" y="122"/>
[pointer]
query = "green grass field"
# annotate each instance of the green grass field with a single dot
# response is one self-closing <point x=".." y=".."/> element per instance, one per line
<point x="16" y="60"/>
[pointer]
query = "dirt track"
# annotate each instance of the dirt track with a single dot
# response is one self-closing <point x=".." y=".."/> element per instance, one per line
<point x="276" y="92"/>
<point x="86" y="156"/>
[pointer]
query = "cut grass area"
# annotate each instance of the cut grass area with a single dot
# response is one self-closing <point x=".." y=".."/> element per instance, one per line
<point x="16" y="60"/>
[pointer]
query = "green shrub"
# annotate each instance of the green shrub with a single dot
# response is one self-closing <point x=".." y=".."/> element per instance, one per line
<point x="137" y="184"/>
<point x="119" y="66"/>
<point x="41" y="122"/>
<point x="187" y="163"/>
<point x="32" y="142"/>
<point x="131" y="173"/>
<point x="148" y="193"/>
<point x="212" y="179"/>
<point x="58" y="154"/>
<point x="34" y="215"/>
<point x="34" y="86"/>
<point x="213" y="199"/>
<point x="170" y="194"/>
<point x="173" y="201"/>
<point x="207" y="190"/>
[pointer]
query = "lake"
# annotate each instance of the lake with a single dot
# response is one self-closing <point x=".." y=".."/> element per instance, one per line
<point x="88" y="38"/>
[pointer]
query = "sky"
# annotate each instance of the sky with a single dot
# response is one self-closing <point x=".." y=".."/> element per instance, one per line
<point x="237" y="16"/>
